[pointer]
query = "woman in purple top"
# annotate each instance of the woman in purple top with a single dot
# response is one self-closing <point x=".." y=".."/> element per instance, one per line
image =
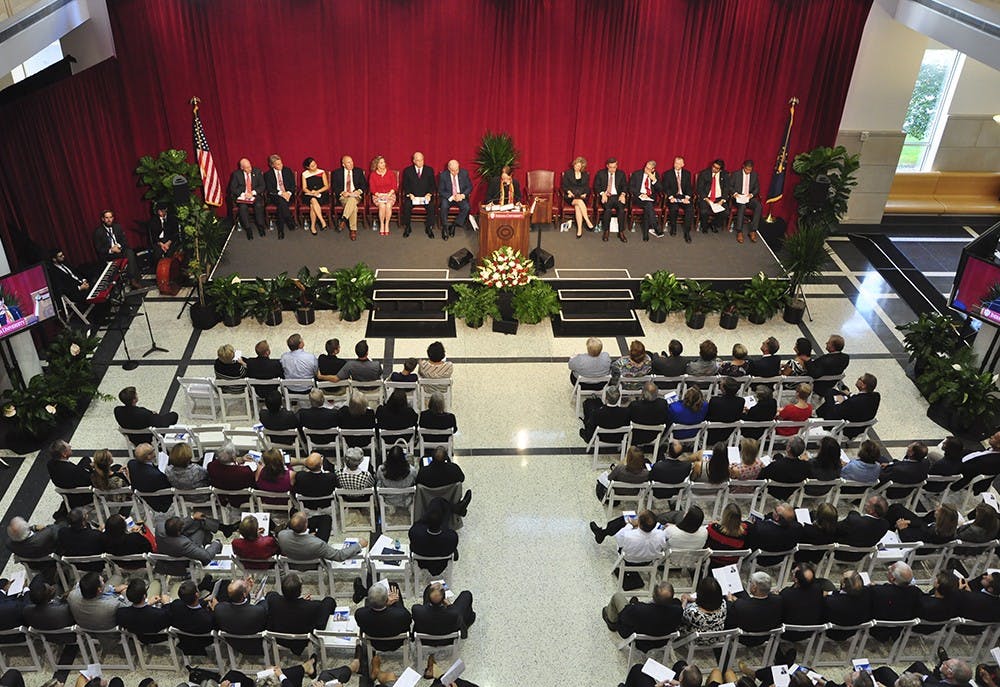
<point x="272" y="475"/>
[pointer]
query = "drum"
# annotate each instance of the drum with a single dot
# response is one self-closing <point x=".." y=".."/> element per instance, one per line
<point x="168" y="275"/>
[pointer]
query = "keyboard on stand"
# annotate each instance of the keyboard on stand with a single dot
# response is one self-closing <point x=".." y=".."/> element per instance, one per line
<point x="113" y="273"/>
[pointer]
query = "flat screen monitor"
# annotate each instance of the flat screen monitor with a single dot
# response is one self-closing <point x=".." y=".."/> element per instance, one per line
<point x="977" y="289"/>
<point x="24" y="300"/>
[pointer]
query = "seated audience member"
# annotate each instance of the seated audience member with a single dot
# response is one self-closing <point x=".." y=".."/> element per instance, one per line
<point x="707" y="363"/>
<point x="356" y="415"/>
<point x="276" y="417"/>
<point x="633" y="471"/>
<point x="750" y="465"/>
<point x="438" y="616"/>
<point x="655" y="618"/>
<point x="802" y="603"/>
<point x="848" y="606"/>
<point x="189" y="538"/>
<point x="78" y="538"/>
<point x="976" y="464"/>
<point x="757" y="611"/>
<point x="859" y="407"/>
<point x="827" y="464"/>
<point x="648" y="409"/>
<point x="670" y="363"/>
<point x="241" y="617"/>
<point x="290" y="613"/>
<point x="146" y="477"/>
<point x="435" y="417"/>
<point x="396" y="413"/>
<point x="441" y="471"/>
<point x="822" y="531"/>
<point x="712" y="466"/>
<point x="728" y="533"/>
<point x="329" y="364"/>
<point x="408" y="373"/>
<point x="863" y="529"/>
<point x="594" y="363"/>
<point x="298" y="544"/>
<point x="298" y="363"/>
<point x="263" y="367"/>
<point x="66" y="474"/>
<point x="254" y="544"/>
<point x="739" y="366"/>
<point x="395" y="472"/>
<point x="798" y="411"/>
<point x="726" y="406"/>
<point x="896" y="599"/>
<point x="130" y="415"/>
<point x="34" y="541"/>
<point x="435" y="366"/>
<point x="107" y="476"/>
<point x="949" y="464"/>
<point x="189" y="614"/>
<point x="122" y="540"/>
<point x="768" y="364"/>
<point x="796" y="367"/>
<point x="430" y="536"/>
<point x="317" y="417"/>
<point x="983" y="528"/>
<point x="316" y="485"/>
<point x="230" y="472"/>
<point x="778" y="531"/>
<point x="182" y="472"/>
<point x="146" y="617"/>
<point x="362" y="368"/>
<point x="706" y="610"/>
<point x="683" y="530"/>
<point x="763" y="410"/>
<point x="669" y="469"/>
<point x="94" y="605"/>
<point x="952" y="673"/>
<point x="46" y="610"/>
<point x="865" y="468"/>
<point x="690" y="410"/>
<point x="606" y="413"/>
<point x="979" y="600"/>
<point x="936" y="527"/>
<point x="636" y="364"/>
<point x="688" y="675"/>
<point x="940" y="604"/>
<point x="831" y="363"/>
<point x="274" y="475"/>
<point x="64" y="281"/>
<point x="790" y="467"/>
<point x="383" y="615"/>
<point x="351" y="475"/>
<point x="228" y="366"/>
<point x="640" y="543"/>
<point x="911" y="470"/>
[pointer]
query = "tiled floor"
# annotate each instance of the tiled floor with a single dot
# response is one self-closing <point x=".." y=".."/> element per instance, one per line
<point x="538" y="579"/>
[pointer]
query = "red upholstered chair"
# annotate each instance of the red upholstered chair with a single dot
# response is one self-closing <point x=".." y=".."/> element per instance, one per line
<point x="541" y="184"/>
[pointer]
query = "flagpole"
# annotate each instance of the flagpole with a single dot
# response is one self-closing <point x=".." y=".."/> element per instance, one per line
<point x="782" y="157"/>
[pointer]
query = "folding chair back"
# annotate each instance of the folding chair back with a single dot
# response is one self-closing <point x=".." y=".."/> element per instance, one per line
<point x="236" y="400"/>
<point x="357" y="500"/>
<point x="588" y="386"/>
<point x="179" y="637"/>
<point x="12" y="639"/>
<point x="617" y="439"/>
<point x="427" y="445"/>
<point x="650" y="436"/>
<point x="428" y="387"/>
<point x="436" y="644"/>
<point x="292" y="392"/>
<point x="201" y="398"/>
<point x="402" y="502"/>
<point x="54" y="641"/>
<point x="652" y="645"/>
<point x="97" y="642"/>
<point x="410" y="388"/>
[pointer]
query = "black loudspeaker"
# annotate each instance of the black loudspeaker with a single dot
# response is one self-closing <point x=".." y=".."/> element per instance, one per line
<point x="182" y="192"/>
<point x="818" y="191"/>
<point x="542" y="258"/>
<point x="505" y="326"/>
<point x="460" y="259"/>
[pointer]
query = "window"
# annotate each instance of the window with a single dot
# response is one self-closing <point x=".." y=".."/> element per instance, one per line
<point x="925" y="114"/>
<point x="47" y="57"/>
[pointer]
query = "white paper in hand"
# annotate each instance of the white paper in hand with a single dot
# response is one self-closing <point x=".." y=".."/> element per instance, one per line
<point x="657" y="670"/>
<point x="995" y="652"/>
<point x="453" y="673"/>
<point x="866" y="579"/>
<point x="409" y="678"/>
<point x="92" y="670"/>
<point x="729" y="579"/>
<point x="780" y="675"/>
<point x="802" y="515"/>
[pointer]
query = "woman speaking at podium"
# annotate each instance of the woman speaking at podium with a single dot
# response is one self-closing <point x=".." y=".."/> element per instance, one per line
<point x="505" y="190"/>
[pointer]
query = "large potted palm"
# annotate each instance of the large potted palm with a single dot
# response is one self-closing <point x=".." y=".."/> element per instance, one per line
<point x="803" y="255"/>
<point x="496" y="151"/>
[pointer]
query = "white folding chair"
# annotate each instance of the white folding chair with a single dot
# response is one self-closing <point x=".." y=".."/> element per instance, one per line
<point x="426" y="445"/>
<point x="304" y="569"/>
<point x="273" y="645"/>
<point x="385" y="508"/>
<point x="779" y="570"/>
<point x="975" y="557"/>
<point x="245" y="440"/>
<point x="685" y="561"/>
<point x="898" y="630"/>
<point x="356" y="500"/>
<point x="427" y="388"/>
<point x="631" y="388"/>
<point x="12" y="639"/>
<point x="422" y="577"/>
<point x="325" y="442"/>
<point x="621" y="494"/>
<point x="370" y="643"/>
<point x="927" y="560"/>
<point x="723" y="641"/>
<point x="70" y="308"/>
<point x="746" y="493"/>
<point x="649" y="568"/>
<point x="654" y="442"/>
<point x="373" y="392"/>
<point x="227" y="639"/>
<point x="452" y="643"/>
<point x="607" y="439"/>
<point x="978" y="638"/>
<point x="336" y="392"/>
<point x="87" y="492"/>
<point x="709" y="385"/>
<point x="144" y="507"/>
<point x="367" y="438"/>
<point x="660" y="646"/>
<point x="201" y="398"/>
<point x="765" y="442"/>
<point x="54" y="641"/>
<point x="854" y="645"/>
<point x="236" y="400"/>
<point x="588" y="386"/>
<point x="200" y="499"/>
<point x="709" y="497"/>
<point x="292" y="392"/>
<point x="127" y="435"/>
<point x="669" y="385"/>
<point x="179" y="636"/>
<point x="387" y="438"/>
<point x="409" y="388"/>
<point x="841" y="432"/>
<point x="145" y="653"/>
<point x="694" y="435"/>
<point x="768" y="646"/>
<point x="98" y="643"/>
<point x="109" y="502"/>
<point x="283" y="440"/>
<point x="72" y="568"/>
<point x="804" y="646"/>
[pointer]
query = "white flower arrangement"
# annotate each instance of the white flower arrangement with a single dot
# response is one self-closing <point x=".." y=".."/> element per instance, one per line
<point x="506" y="268"/>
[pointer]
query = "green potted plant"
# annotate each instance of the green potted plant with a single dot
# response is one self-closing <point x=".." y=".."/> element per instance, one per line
<point x="965" y="400"/>
<point x="698" y="300"/>
<point x="157" y="174"/>
<point x="268" y="297"/>
<point x="804" y="254"/>
<point x="496" y="150"/>
<point x="731" y="306"/>
<point x="764" y="297"/>
<point x="660" y="294"/>
<point x="826" y="177"/>
<point x="474" y="304"/>
<point x="353" y="288"/>
<point x="534" y="301"/>
<point x="930" y="337"/>
<point x="310" y="293"/>
<point x="229" y="297"/>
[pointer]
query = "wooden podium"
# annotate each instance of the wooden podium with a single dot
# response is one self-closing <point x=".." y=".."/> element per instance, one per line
<point x="504" y="228"/>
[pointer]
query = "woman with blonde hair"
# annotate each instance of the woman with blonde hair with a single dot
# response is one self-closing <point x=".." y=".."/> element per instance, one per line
<point x="382" y="186"/>
<point x="575" y="189"/>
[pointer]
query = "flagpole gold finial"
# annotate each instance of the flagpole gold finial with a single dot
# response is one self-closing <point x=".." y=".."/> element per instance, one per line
<point x="793" y="101"/>
<point x="194" y="102"/>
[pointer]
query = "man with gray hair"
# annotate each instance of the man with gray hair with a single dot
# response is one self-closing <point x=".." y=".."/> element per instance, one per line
<point x="659" y="617"/>
<point x="649" y="409"/>
<point x="298" y="544"/>
<point x="34" y="541"/>
<point x="317" y="416"/>
<point x="951" y="672"/>
<point x="68" y="475"/>
<point x="756" y="611"/>
<point x="644" y="187"/>
<point x="790" y="467"/>
<point x="606" y="414"/>
<point x="897" y="599"/>
<point x="383" y="615"/>
<point x="594" y="363"/>
<point x="145" y="476"/>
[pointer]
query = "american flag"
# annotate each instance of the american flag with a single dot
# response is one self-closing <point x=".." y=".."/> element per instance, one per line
<point x="209" y="177"/>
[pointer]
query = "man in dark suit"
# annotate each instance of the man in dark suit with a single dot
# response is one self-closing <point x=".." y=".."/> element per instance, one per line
<point x="68" y="475"/>
<point x="644" y="187"/>
<point x="145" y="618"/>
<point x="859" y="407"/>
<point x="897" y="599"/>
<point x="279" y="182"/>
<point x="607" y="415"/>
<point x="979" y="599"/>
<point x="318" y="417"/>
<point x="756" y="611"/>
<point x="850" y="605"/>
<point x="241" y="617"/>
<point x="439" y="616"/>
<point x="264" y="367"/>
<point x="288" y="612"/>
<point x="670" y="363"/>
<point x="314" y="483"/>
<point x="912" y="469"/>
<point x="656" y="618"/>
<point x="745" y="188"/>
<point x="64" y="281"/>
<point x="981" y="463"/>
<point x="713" y="187"/>
<point x="130" y="415"/>
<point x="670" y="470"/>
<point x="34" y="541"/>
<point x="779" y="531"/>
<point x="349" y="186"/>
<point x="432" y="537"/>
<point x="46" y="610"/>
<point x="802" y="603"/>
<point x="768" y="364"/>
<point x="831" y="363"/>
<point x="110" y="244"/>
<point x="383" y="615"/>
<point x="164" y="234"/>
<point x="146" y="477"/>
<point x="188" y="614"/>
<point x="679" y="190"/>
<point x="953" y="672"/>
<point x="80" y="539"/>
<point x="454" y="189"/>
<point x="610" y="188"/>
<point x="724" y="407"/>
<point x="863" y="530"/>
<point x="648" y="409"/>
<point x="790" y="467"/>
<point x="246" y="190"/>
<point x="418" y="182"/>
<point x="276" y="417"/>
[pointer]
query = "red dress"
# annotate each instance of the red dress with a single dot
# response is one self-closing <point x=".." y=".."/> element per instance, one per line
<point x="385" y="183"/>
<point x="793" y="413"/>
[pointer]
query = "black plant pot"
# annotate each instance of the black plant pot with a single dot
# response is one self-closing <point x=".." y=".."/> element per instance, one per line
<point x="794" y="312"/>
<point x="348" y="316"/>
<point x="729" y="320"/>
<point x="273" y="318"/>
<point x="474" y="324"/>
<point x="756" y="318"/>
<point x="203" y="316"/>
<point x="505" y="302"/>
<point x="696" y="320"/>
<point x="305" y="315"/>
<point x="232" y="321"/>
<point x="657" y="316"/>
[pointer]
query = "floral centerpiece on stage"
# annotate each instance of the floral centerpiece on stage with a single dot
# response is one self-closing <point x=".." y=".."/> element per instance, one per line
<point x="520" y="295"/>
<point x="506" y="268"/>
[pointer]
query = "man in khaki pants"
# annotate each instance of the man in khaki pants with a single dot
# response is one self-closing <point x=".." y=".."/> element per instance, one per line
<point x="349" y="186"/>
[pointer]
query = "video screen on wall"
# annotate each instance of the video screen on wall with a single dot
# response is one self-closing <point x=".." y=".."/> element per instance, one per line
<point x="977" y="289"/>
<point x="24" y="300"/>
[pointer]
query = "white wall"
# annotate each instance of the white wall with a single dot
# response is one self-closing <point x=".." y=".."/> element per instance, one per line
<point x="978" y="90"/>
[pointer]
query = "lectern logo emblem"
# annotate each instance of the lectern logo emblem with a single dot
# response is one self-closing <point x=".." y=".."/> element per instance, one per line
<point x="505" y="232"/>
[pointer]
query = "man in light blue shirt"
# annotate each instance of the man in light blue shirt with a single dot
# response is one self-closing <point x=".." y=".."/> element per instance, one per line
<point x="299" y="363"/>
<point x="594" y="363"/>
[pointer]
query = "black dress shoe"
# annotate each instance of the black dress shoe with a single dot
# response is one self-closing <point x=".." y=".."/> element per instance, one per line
<point x="359" y="590"/>
<point x="444" y="234"/>
<point x="249" y="235"/>
<point x="429" y="232"/>
<point x="605" y="237"/>
<point x="261" y="232"/>
<point x="281" y="235"/>
<point x="451" y="230"/>
<point x="673" y="231"/>
<point x="687" y="237"/>
<point x="406" y="232"/>
<point x="599" y="534"/>
<point x="611" y="625"/>
<point x="645" y="236"/>
<point x="715" y="229"/>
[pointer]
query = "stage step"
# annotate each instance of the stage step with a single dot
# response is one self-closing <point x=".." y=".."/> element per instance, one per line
<point x="410" y="313"/>
<point x="596" y="312"/>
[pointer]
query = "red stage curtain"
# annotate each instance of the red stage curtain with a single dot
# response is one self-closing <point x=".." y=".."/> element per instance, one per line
<point x="637" y="79"/>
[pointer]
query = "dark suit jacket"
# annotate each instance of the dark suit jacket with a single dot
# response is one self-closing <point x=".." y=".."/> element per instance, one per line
<point x="281" y="420"/>
<point x="237" y="184"/>
<point x="601" y="181"/>
<point x="655" y="412"/>
<point x="426" y="183"/>
<point x="171" y="230"/>
<point x="935" y="610"/>
<point x="855" y="408"/>
<point x="570" y="183"/>
<point x="801" y="606"/>
<point x="668" y="471"/>
<point x="826" y="365"/>
<point x="978" y="606"/>
<point x="704" y="184"/>
<point x="844" y="609"/>
<point x="785" y="469"/>
<point x="493" y="191"/>
<point x="102" y="244"/>
<point x="39" y="544"/>
<point x="766" y="366"/>
<point x="66" y="474"/>
<point x="137" y="417"/>
<point x="986" y="464"/>
<point x="385" y="418"/>
<point x="315" y="484"/>
<point x="391" y="620"/>
<point x="427" y="543"/>
<point x="669" y="183"/>
<point x="243" y="619"/>
<point x="147" y="477"/>
<point x="194" y="620"/>
<point x="770" y="535"/>
<point x="763" y="411"/>
<point x="861" y="530"/>
<point x="650" y="619"/>
<point x="298" y="616"/>
<point x="318" y="418"/>
<point x="605" y="417"/>
<point x="736" y="185"/>
<point x="337" y="181"/>
<point x="287" y="178"/>
<point x="436" y="620"/>
<point x="668" y="366"/>
<point x="890" y="602"/>
<point x="82" y="542"/>
<point x="445" y="188"/>
<point x="11" y="612"/>
<point x="264" y="368"/>
<point x="635" y="185"/>
<point x="146" y="622"/>
<point x="65" y="285"/>
<point x="439" y="474"/>
<point x="51" y="616"/>
<point x="723" y="409"/>
<point x="430" y="420"/>
<point x="754" y="615"/>
<point x="903" y="472"/>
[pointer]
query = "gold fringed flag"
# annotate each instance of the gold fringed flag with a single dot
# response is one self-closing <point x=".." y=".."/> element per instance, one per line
<point x="776" y="190"/>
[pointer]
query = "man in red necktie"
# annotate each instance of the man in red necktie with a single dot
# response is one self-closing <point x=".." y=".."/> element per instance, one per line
<point x="610" y="185"/>
<point x="713" y="190"/>
<point x="454" y="187"/>
<point x="246" y="191"/>
<point x="644" y="187"/>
